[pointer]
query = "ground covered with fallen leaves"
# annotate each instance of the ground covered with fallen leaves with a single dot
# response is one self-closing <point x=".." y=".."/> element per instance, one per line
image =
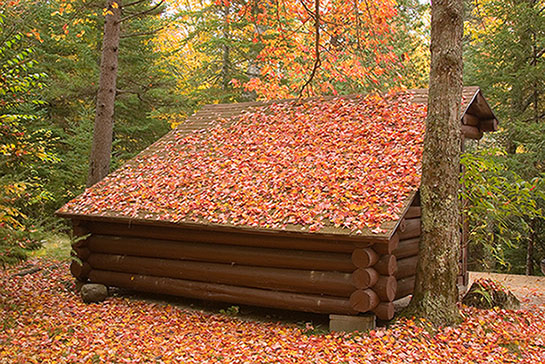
<point x="42" y="320"/>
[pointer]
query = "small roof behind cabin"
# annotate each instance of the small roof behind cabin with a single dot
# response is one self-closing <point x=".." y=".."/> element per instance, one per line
<point x="336" y="166"/>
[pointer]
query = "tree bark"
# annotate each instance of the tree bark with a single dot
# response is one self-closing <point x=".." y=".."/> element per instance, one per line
<point x="530" y="249"/>
<point x="101" y="150"/>
<point x="226" y="73"/>
<point x="436" y="293"/>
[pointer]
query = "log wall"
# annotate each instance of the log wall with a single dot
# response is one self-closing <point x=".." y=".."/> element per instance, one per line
<point x="305" y="274"/>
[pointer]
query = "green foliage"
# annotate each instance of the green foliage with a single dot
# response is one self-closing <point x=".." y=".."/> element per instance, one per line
<point x="68" y="50"/>
<point x="504" y="55"/>
<point x="217" y="52"/>
<point x="412" y="42"/>
<point x="231" y="311"/>
<point x="143" y="89"/>
<point x="46" y="122"/>
<point x="15" y="244"/>
<point x="499" y="205"/>
<point x="24" y="148"/>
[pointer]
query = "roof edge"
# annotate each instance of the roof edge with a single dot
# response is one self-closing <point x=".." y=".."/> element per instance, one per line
<point x="290" y="231"/>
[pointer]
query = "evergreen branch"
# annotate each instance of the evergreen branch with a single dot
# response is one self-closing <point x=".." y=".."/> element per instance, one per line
<point x="152" y="32"/>
<point x="133" y="3"/>
<point x="142" y="13"/>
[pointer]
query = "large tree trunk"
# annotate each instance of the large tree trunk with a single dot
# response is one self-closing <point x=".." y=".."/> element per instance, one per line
<point x="101" y="150"/>
<point x="436" y="293"/>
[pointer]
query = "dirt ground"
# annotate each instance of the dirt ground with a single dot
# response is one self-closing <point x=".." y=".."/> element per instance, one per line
<point x="530" y="290"/>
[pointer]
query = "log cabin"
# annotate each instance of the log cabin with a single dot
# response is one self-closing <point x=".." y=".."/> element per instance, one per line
<point x="307" y="205"/>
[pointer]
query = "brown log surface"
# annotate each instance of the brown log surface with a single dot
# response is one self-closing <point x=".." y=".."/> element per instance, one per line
<point x="233" y="237"/>
<point x="383" y="248"/>
<point x="386" y="265"/>
<point x="385" y="311"/>
<point x="386" y="288"/>
<point x="364" y="257"/>
<point x="412" y="229"/>
<point x="469" y="119"/>
<point x="413" y="212"/>
<point x="81" y="252"/>
<point x="407" y="248"/>
<point x="364" y="300"/>
<point x="471" y="132"/>
<point x="405" y="287"/>
<point x="294" y="280"/>
<point x="220" y="253"/>
<point x="224" y="293"/>
<point x="364" y="278"/>
<point x="406" y="267"/>
<point x="80" y="271"/>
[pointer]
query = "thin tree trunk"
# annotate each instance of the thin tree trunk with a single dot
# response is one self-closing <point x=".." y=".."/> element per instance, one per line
<point x="530" y="248"/>
<point x="254" y="69"/>
<point x="436" y="292"/>
<point x="101" y="150"/>
<point x="226" y="75"/>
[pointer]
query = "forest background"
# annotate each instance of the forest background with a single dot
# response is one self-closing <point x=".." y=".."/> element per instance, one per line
<point x="178" y="55"/>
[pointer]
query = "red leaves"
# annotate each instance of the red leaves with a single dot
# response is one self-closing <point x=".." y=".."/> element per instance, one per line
<point x="44" y="321"/>
<point x="346" y="163"/>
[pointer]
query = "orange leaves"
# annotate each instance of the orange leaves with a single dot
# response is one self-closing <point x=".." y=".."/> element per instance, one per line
<point x="356" y="39"/>
<point x="44" y="321"/>
<point x="347" y="163"/>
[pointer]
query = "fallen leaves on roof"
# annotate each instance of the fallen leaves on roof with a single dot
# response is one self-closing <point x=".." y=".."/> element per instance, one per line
<point x="347" y="163"/>
<point x="42" y="320"/>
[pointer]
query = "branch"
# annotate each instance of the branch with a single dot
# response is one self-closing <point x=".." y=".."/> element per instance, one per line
<point x="357" y="12"/>
<point x="133" y="3"/>
<point x="141" y="34"/>
<point x="317" y="62"/>
<point x="142" y="13"/>
<point x="307" y="9"/>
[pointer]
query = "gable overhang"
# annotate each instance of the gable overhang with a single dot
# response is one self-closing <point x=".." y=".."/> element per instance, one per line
<point x="479" y="114"/>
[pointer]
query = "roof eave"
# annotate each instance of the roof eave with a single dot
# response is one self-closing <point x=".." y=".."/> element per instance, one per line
<point x="327" y="234"/>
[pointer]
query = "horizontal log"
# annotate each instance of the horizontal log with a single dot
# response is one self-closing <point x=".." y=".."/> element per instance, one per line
<point x="469" y="119"/>
<point x="293" y="280"/>
<point x="412" y="212"/>
<point x="489" y="125"/>
<point x="364" y="278"/>
<point x="385" y="311"/>
<point x="219" y="253"/>
<point x="364" y="258"/>
<point x="224" y="293"/>
<point x="386" y="288"/>
<point x="406" y="267"/>
<point x="471" y="132"/>
<point x="233" y="237"/>
<point x="80" y="271"/>
<point x="386" y="265"/>
<point x="364" y="300"/>
<point x="411" y="229"/>
<point x="407" y="248"/>
<point x="405" y="287"/>
<point x="386" y="247"/>
<point x="81" y="252"/>
<point x="79" y="228"/>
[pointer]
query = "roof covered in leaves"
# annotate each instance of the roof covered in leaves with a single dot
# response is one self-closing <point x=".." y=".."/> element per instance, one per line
<point x="346" y="165"/>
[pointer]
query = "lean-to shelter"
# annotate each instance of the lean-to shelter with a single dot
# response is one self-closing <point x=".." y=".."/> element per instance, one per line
<point x="308" y="205"/>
